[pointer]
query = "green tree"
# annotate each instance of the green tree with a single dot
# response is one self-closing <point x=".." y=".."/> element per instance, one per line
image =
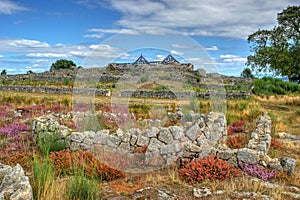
<point x="278" y="50"/>
<point x="3" y="72"/>
<point x="246" y="73"/>
<point x="62" y="64"/>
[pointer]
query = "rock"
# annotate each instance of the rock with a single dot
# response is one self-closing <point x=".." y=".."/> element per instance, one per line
<point x="14" y="184"/>
<point x="288" y="165"/>
<point x="152" y="132"/>
<point x="76" y="137"/>
<point x="254" y="136"/>
<point x="177" y="132"/>
<point x="165" y="136"/>
<point x="133" y="140"/>
<point x="100" y="138"/>
<point x="154" y="145"/>
<point x="201" y="72"/>
<point x="193" y="132"/>
<point x="226" y="154"/>
<point x="247" y="156"/>
<point x="154" y="159"/>
<point x="192" y="148"/>
<point x="201" y="192"/>
<point x="119" y="132"/>
<point x="204" y="152"/>
<point x="113" y="141"/>
<point x="170" y="148"/>
<point x="126" y="137"/>
<point x="124" y="147"/>
<point x="142" y="141"/>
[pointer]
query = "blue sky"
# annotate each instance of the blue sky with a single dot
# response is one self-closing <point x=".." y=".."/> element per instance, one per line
<point x="35" y="33"/>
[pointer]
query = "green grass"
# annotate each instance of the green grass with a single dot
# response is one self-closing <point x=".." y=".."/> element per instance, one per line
<point x="80" y="187"/>
<point x="43" y="172"/>
<point x="274" y="86"/>
<point x="51" y="143"/>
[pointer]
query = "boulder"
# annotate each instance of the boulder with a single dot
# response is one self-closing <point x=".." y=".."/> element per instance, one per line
<point x="247" y="156"/>
<point x="14" y="184"/>
<point x="288" y="165"/>
<point x="165" y="136"/>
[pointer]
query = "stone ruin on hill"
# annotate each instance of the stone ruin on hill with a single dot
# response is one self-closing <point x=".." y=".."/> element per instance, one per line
<point x="155" y="146"/>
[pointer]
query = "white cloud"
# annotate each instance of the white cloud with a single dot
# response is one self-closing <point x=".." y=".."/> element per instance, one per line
<point x="113" y="31"/>
<point x="229" y="59"/>
<point x="160" y="57"/>
<point x="9" y="7"/>
<point x="212" y="48"/>
<point x="199" y="17"/>
<point x="95" y="36"/>
<point x="1" y="56"/>
<point x="46" y="55"/>
<point x="177" y="53"/>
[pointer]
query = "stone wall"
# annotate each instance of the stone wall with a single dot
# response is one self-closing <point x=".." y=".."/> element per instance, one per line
<point x="158" y="146"/>
<point x="163" y="94"/>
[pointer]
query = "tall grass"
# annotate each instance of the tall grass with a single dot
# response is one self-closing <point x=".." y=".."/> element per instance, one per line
<point x="43" y="173"/>
<point x="51" y="143"/>
<point x="80" y="187"/>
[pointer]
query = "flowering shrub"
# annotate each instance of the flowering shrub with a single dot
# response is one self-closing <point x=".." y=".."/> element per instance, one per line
<point x="13" y="129"/>
<point x="66" y="163"/>
<point x="258" y="171"/>
<point x="237" y="141"/>
<point x="236" y="127"/>
<point x="211" y="168"/>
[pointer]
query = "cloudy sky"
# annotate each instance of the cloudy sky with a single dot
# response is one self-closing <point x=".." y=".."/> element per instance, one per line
<point x="35" y="33"/>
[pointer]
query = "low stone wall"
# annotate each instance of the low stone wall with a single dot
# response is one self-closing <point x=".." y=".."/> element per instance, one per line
<point x="158" y="146"/>
<point x="127" y="93"/>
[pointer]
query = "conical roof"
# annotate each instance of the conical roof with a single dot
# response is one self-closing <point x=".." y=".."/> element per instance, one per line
<point x="141" y="60"/>
<point x="169" y="60"/>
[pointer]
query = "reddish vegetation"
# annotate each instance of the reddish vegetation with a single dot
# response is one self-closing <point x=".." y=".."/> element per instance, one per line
<point x="275" y="144"/>
<point x="142" y="149"/>
<point x="210" y="167"/>
<point x="67" y="162"/>
<point x="236" y="127"/>
<point x="237" y="141"/>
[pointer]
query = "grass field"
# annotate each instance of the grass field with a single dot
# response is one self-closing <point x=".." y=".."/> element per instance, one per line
<point x="284" y="111"/>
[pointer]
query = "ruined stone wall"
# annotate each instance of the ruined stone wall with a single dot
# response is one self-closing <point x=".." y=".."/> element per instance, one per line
<point x="158" y="146"/>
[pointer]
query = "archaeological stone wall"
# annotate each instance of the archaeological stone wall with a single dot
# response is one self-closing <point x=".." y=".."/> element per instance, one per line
<point x="162" y="94"/>
<point x="157" y="146"/>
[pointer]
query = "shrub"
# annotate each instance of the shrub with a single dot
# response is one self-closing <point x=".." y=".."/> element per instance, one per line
<point x="66" y="162"/>
<point x="80" y="187"/>
<point x="272" y="86"/>
<point x="43" y="173"/>
<point x="237" y="141"/>
<point x="13" y="129"/>
<point x="211" y="168"/>
<point x="236" y="127"/>
<point x="258" y="171"/>
<point x="51" y="143"/>
<point x="275" y="144"/>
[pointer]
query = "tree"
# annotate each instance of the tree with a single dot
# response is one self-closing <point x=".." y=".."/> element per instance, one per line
<point x="4" y="72"/>
<point x="246" y="73"/>
<point x="62" y="64"/>
<point x="278" y="50"/>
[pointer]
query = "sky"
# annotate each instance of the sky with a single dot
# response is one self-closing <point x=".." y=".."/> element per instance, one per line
<point x="209" y="34"/>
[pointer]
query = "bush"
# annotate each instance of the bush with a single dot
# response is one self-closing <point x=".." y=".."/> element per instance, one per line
<point x="258" y="171"/>
<point x="237" y="141"/>
<point x="236" y="127"/>
<point x="62" y="64"/>
<point x="80" y="187"/>
<point x="273" y="86"/>
<point x="211" y="168"/>
<point x="68" y="162"/>
<point x="51" y="143"/>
